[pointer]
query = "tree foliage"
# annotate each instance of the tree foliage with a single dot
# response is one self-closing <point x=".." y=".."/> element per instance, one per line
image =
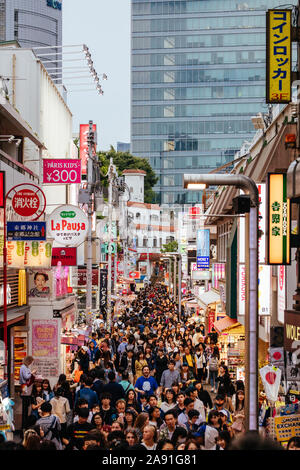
<point x="171" y="247"/>
<point x="126" y="161"/>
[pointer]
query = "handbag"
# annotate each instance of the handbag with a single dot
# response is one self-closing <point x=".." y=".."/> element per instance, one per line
<point x="24" y="387"/>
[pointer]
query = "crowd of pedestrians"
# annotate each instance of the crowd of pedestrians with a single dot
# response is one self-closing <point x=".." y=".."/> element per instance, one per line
<point x="155" y="382"/>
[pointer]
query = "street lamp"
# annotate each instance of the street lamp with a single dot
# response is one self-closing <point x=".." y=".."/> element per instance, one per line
<point x="196" y="182"/>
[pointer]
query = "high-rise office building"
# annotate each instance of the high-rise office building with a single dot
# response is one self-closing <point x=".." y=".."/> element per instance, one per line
<point x="198" y="75"/>
<point x="34" y="24"/>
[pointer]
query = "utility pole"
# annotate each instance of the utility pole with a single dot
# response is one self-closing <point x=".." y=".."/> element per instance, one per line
<point x="90" y="180"/>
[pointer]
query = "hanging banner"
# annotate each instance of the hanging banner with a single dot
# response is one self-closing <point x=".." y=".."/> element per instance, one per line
<point x="279" y="56"/>
<point x="270" y="377"/>
<point x="279" y="221"/>
<point x="61" y="171"/>
<point x="68" y="225"/>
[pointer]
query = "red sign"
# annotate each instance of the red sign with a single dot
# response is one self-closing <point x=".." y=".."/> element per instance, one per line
<point x="2" y="188"/>
<point x="211" y="320"/>
<point x="61" y="171"/>
<point x="26" y="202"/>
<point x="67" y="256"/>
<point x="194" y="212"/>
<point x="134" y="274"/>
<point x="84" y="148"/>
<point x="82" y="277"/>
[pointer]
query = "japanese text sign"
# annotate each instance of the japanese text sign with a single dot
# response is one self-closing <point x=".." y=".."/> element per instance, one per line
<point x="26" y="231"/>
<point x="279" y="56"/>
<point x="203" y="248"/>
<point x="287" y="427"/>
<point x="61" y="171"/>
<point x="278" y="224"/>
<point x="68" y="225"/>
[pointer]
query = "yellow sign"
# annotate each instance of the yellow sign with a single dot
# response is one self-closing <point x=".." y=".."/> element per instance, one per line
<point x="279" y="56"/>
<point x="287" y="427"/>
<point x="279" y="249"/>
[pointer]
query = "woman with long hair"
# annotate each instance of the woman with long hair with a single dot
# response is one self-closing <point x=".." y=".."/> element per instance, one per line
<point x="131" y="437"/>
<point x="141" y="421"/>
<point x="131" y="400"/>
<point x="47" y="392"/>
<point x="238" y="416"/>
<point x="224" y="382"/>
<point x="139" y="364"/>
<point x="130" y="417"/>
<point x="31" y="440"/>
<point x="170" y="400"/>
<point x="213" y="364"/>
<point x="37" y="399"/>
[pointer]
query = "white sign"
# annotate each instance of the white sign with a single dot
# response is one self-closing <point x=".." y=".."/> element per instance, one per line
<point x="281" y="293"/>
<point x="242" y="289"/>
<point x="261" y="227"/>
<point x="67" y="225"/>
<point x="264" y="290"/>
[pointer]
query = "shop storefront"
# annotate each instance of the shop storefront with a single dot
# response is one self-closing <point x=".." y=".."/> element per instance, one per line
<point x="232" y="346"/>
<point x="209" y="304"/>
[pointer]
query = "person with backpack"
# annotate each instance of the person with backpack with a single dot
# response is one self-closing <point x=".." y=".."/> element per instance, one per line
<point x="213" y="364"/>
<point x="86" y="392"/>
<point x="208" y="432"/>
<point x="50" y="425"/>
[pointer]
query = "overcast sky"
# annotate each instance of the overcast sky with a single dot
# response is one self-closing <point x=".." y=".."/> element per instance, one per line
<point x="104" y="26"/>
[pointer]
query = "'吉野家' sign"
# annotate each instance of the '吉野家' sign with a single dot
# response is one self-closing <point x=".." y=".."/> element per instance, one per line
<point x="278" y="222"/>
<point x="279" y="56"/>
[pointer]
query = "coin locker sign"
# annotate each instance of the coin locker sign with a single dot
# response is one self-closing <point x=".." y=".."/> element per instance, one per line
<point x="278" y="224"/>
<point x="279" y="56"/>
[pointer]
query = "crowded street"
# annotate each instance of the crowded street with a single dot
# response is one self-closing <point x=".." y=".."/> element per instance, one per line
<point x="149" y="230"/>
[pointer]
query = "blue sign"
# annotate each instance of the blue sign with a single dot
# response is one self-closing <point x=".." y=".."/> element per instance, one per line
<point x="20" y="231"/>
<point x="203" y="248"/>
<point x="202" y="262"/>
<point x="54" y="4"/>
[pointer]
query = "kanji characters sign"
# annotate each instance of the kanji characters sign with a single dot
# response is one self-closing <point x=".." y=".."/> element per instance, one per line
<point x="278" y="224"/>
<point x="279" y="56"/>
<point x="68" y="225"/>
<point x="28" y="201"/>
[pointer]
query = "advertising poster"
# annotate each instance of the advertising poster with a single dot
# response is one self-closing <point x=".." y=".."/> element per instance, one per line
<point x="103" y="289"/>
<point x="38" y="254"/>
<point x="45" y="347"/>
<point x="286" y="427"/>
<point x="39" y="285"/>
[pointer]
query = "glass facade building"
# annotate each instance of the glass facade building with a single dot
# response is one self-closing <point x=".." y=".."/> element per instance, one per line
<point x="197" y="77"/>
<point x="33" y="23"/>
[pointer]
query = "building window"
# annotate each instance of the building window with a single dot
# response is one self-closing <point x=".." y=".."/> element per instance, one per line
<point x="154" y="242"/>
<point x="223" y="236"/>
<point x="145" y="242"/>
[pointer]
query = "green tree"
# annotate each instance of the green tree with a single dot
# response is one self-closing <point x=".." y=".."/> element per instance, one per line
<point x="126" y="161"/>
<point x="171" y="247"/>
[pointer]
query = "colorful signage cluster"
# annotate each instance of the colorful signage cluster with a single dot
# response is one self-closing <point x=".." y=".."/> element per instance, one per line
<point x="279" y="56"/>
<point x="279" y="249"/>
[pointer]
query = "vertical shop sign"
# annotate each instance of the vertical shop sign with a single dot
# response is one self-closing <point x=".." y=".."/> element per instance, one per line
<point x="279" y="56"/>
<point x="203" y="248"/>
<point x="279" y="220"/>
<point x="84" y="148"/>
<point x="103" y="289"/>
<point x="281" y="293"/>
<point x="242" y="289"/>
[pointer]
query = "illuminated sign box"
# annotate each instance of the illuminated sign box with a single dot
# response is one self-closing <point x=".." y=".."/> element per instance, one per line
<point x="279" y="56"/>
<point x="278" y="221"/>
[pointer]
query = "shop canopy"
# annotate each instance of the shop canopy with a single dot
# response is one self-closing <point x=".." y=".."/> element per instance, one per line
<point x="224" y="324"/>
<point x="208" y="298"/>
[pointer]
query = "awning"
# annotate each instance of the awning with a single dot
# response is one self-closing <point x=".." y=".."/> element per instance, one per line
<point x="209" y="297"/>
<point x="224" y="324"/>
<point x="14" y="315"/>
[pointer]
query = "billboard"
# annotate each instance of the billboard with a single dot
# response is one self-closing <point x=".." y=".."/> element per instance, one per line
<point x="279" y="56"/>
